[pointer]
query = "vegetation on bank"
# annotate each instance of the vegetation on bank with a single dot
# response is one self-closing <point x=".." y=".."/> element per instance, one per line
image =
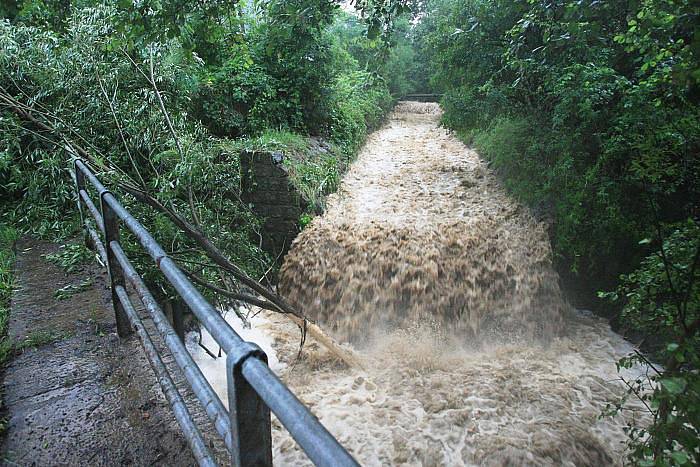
<point x="162" y="98"/>
<point x="589" y="112"/>
<point x="8" y="235"/>
<point x="316" y="164"/>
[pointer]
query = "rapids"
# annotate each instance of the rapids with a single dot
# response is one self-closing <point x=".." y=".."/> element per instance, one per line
<point x="420" y="229"/>
<point x="445" y="288"/>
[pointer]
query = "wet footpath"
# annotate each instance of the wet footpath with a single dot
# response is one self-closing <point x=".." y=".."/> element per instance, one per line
<point x="73" y="394"/>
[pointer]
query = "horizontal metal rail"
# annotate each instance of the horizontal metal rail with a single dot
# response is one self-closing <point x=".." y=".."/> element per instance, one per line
<point x="200" y="386"/>
<point x="253" y="389"/>
<point x="93" y="210"/>
<point x="97" y="243"/>
<point x="182" y="414"/>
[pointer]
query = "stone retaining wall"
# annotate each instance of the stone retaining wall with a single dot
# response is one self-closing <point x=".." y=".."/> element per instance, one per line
<point x="266" y="187"/>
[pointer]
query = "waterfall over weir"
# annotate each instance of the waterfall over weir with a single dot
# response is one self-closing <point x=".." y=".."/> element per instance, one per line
<point x="444" y="286"/>
<point x="422" y="230"/>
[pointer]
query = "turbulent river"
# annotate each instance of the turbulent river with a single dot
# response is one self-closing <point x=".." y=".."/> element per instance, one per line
<point x="444" y="287"/>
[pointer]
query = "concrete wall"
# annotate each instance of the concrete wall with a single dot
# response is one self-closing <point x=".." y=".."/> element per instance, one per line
<point x="266" y="186"/>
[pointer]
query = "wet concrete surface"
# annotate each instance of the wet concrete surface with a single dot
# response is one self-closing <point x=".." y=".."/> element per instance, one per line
<point x="85" y="397"/>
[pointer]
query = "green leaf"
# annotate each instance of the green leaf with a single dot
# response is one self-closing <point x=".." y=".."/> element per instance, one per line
<point x="373" y="31"/>
<point x="674" y="385"/>
<point x="680" y="457"/>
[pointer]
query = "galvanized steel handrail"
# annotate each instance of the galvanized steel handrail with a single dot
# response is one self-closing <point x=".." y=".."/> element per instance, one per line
<point x="253" y="389"/>
<point x="182" y="414"/>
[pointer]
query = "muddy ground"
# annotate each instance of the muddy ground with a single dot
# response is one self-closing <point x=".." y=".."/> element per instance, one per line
<point x="82" y="396"/>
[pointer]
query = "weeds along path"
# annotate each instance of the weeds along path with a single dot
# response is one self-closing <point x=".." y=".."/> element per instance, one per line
<point x="445" y="286"/>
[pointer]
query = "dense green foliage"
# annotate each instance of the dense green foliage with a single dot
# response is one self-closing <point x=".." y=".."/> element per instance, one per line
<point x="8" y="236"/>
<point x="662" y="298"/>
<point x="165" y="96"/>
<point x="589" y="112"/>
<point x="587" y="109"/>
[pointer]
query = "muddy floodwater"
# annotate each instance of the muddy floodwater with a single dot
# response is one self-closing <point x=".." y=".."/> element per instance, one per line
<point x="444" y="287"/>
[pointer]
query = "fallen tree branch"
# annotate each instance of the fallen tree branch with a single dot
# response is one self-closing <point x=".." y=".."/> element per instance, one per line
<point x="305" y="325"/>
<point x="273" y="301"/>
<point x="230" y="294"/>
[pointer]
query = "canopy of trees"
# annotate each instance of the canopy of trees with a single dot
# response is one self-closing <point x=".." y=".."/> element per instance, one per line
<point x="163" y="96"/>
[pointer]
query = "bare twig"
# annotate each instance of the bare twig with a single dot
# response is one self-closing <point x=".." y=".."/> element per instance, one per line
<point x="161" y="104"/>
<point x="119" y="129"/>
<point x="637" y="394"/>
<point x="646" y="361"/>
<point x="227" y="293"/>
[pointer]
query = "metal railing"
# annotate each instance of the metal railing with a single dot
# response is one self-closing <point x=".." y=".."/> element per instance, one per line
<point x="253" y="389"/>
<point x="422" y="97"/>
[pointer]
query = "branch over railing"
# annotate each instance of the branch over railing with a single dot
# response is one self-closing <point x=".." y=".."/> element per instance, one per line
<point x="253" y="389"/>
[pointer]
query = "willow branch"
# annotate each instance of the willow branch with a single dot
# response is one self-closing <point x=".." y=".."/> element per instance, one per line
<point x="171" y="128"/>
<point x="232" y="295"/>
<point x="119" y="129"/>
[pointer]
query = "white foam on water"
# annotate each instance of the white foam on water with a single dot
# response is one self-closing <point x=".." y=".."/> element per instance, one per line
<point x="421" y="399"/>
<point x="470" y="354"/>
<point x="214" y="369"/>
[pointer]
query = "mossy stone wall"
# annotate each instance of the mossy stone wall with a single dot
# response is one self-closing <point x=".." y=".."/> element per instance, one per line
<point x="266" y="187"/>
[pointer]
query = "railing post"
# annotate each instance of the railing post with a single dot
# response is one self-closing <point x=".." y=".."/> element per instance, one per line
<point x="174" y="311"/>
<point x="179" y="308"/>
<point x="116" y="275"/>
<point x="80" y="185"/>
<point x="251" y="431"/>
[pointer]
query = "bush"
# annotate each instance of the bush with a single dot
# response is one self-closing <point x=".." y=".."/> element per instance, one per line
<point x="662" y="299"/>
<point x="240" y="98"/>
<point x="467" y="109"/>
<point x="514" y="147"/>
<point x="360" y="103"/>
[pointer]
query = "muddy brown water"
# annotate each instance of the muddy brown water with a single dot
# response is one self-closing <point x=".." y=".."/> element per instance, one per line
<point x="421" y="229"/>
<point x="444" y="286"/>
